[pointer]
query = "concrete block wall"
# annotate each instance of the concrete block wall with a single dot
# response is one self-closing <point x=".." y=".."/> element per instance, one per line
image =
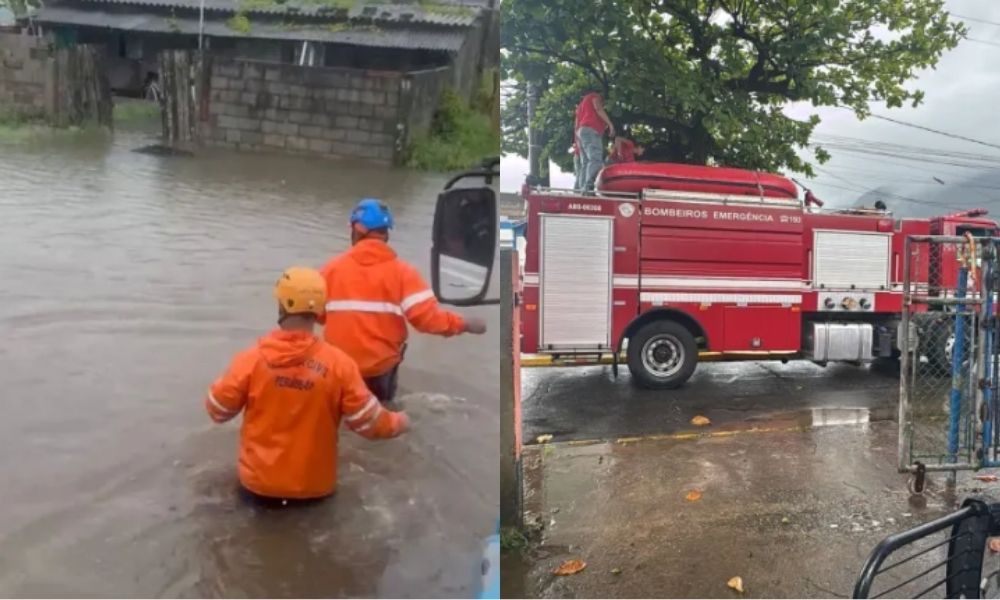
<point x="420" y="97"/>
<point x="325" y="111"/>
<point x="25" y="76"/>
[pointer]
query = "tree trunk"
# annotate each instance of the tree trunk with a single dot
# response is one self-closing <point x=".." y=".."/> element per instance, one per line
<point x="496" y="100"/>
<point x="701" y="141"/>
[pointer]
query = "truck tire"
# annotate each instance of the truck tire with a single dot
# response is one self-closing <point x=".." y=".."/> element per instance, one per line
<point x="662" y="355"/>
<point x="936" y="345"/>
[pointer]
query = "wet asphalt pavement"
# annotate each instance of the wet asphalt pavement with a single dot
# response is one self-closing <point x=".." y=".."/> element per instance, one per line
<point x="132" y="280"/>
<point x="585" y="403"/>
<point x="796" y="471"/>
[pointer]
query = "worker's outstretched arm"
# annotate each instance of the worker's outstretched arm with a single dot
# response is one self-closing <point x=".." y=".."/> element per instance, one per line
<point x="422" y="309"/>
<point x="362" y="411"/>
<point x="228" y="395"/>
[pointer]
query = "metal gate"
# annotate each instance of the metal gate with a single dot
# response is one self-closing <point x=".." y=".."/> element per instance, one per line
<point x="949" y="367"/>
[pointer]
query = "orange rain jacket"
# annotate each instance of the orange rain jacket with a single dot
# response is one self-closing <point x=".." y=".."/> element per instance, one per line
<point x="293" y="389"/>
<point x="371" y="294"/>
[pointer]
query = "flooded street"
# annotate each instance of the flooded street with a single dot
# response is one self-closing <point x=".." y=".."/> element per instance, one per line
<point x="130" y="280"/>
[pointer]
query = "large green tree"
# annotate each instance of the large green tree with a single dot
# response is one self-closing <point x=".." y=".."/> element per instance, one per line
<point x="707" y="81"/>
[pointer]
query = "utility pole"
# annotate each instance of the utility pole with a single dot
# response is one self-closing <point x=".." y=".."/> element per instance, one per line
<point x="511" y="513"/>
<point x="534" y="136"/>
<point x="201" y="28"/>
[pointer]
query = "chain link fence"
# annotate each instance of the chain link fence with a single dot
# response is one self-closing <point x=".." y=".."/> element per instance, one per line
<point x="940" y="372"/>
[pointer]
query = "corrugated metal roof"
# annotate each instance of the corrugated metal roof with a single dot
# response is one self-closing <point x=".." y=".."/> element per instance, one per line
<point x="449" y="13"/>
<point x="415" y="39"/>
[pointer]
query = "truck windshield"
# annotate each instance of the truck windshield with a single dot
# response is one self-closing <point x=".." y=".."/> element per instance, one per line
<point x="977" y="231"/>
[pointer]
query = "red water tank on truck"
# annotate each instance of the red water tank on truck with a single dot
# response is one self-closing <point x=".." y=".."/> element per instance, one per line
<point x="670" y="262"/>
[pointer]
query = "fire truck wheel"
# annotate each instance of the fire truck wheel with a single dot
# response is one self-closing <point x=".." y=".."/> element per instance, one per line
<point x="662" y="355"/>
<point x="937" y="344"/>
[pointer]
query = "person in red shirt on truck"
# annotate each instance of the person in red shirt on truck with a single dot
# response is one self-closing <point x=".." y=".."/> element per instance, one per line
<point x="371" y="296"/>
<point x="577" y="166"/>
<point x="294" y="390"/>
<point x="625" y="150"/>
<point x="591" y="123"/>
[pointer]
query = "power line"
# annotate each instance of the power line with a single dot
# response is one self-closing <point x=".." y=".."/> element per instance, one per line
<point x="937" y="131"/>
<point x="918" y="159"/>
<point x="975" y="19"/>
<point x="889" y="180"/>
<point x="979" y="41"/>
<point x="900" y="196"/>
<point x="921" y="151"/>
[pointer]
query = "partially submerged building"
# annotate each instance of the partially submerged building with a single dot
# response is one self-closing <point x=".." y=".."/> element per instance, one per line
<point x="326" y="76"/>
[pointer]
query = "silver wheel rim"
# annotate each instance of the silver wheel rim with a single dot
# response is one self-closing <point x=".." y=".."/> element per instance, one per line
<point x="663" y="356"/>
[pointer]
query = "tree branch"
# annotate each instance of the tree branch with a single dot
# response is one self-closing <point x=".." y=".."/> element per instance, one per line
<point x="560" y="56"/>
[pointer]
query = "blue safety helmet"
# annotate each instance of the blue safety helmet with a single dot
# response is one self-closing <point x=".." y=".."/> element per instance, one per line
<point x="372" y="214"/>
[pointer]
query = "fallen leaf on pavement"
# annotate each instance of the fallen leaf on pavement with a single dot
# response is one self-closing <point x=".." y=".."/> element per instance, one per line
<point x="570" y="567"/>
<point x="987" y="478"/>
<point x="542" y="439"/>
<point x="700" y="421"/>
<point x="693" y="496"/>
<point x="736" y="583"/>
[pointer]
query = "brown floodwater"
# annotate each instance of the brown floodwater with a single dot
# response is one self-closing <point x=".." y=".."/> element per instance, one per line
<point x="129" y="280"/>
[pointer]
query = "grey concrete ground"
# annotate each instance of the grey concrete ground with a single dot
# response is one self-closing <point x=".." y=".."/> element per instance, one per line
<point x="580" y="403"/>
<point x="797" y="471"/>
<point x="793" y="513"/>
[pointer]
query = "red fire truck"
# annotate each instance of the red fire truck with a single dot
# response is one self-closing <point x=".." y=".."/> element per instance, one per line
<point x="668" y="262"/>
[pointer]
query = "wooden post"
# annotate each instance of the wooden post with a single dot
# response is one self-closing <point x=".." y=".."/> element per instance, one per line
<point x="77" y="87"/>
<point x="181" y="110"/>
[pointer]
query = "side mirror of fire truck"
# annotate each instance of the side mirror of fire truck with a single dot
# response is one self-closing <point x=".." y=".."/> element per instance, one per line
<point x="464" y="249"/>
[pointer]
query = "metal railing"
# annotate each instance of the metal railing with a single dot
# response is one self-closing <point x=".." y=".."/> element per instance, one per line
<point x="940" y="559"/>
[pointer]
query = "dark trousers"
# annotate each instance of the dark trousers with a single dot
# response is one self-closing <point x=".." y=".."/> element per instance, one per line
<point x="271" y="502"/>
<point x="384" y="386"/>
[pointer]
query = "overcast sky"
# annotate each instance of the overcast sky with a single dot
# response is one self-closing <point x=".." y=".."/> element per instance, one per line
<point x="961" y="98"/>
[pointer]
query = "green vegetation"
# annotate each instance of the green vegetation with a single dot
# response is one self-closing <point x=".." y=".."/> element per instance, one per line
<point x="512" y="540"/>
<point x="708" y="81"/>
<point x="239" y="23"/>
<point x="20" y="128"/>
<point x="173" y="23"/>
<point x="128" y="112"/>
<point x="353" y="25"/>
<point x="439" y="8"/>
<point x="459" y="138"/>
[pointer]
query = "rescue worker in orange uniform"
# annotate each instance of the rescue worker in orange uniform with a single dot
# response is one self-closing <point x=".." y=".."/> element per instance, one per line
<point x="372" y="294"/>
<point x="293" y="390"/>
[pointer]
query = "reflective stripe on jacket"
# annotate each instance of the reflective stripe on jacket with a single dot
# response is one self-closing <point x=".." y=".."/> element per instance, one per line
<point x="293" y="390"/>
<point x="371" y="296"/>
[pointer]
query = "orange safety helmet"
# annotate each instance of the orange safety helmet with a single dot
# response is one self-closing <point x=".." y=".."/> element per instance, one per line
<point x="301" y="290"/>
